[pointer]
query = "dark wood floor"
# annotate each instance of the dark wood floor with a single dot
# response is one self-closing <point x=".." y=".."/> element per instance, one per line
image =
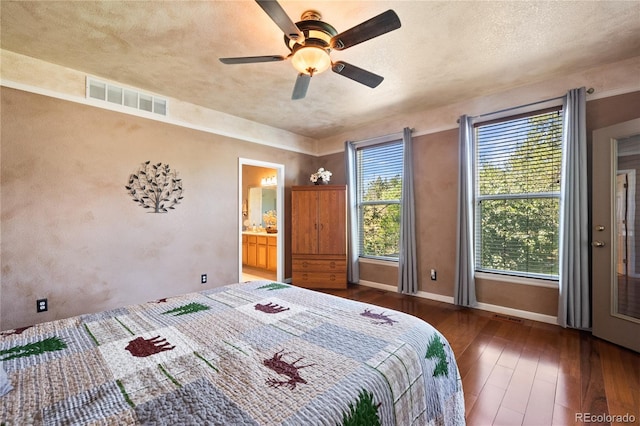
<point x="526" y="372"/>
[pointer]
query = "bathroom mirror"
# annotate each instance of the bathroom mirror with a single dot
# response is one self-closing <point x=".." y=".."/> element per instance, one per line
<point x="261" y="200"/>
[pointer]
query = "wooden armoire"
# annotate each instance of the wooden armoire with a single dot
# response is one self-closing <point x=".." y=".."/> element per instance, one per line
<point x="319" y="236"/>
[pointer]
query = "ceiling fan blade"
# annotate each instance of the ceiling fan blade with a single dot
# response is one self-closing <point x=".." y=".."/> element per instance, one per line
<point x="302" y="84"/>
<point x="282" y="20"/>
<point x="374" y="27"/>
<point x="357" y="74"/>
<point x="252" y="59"/>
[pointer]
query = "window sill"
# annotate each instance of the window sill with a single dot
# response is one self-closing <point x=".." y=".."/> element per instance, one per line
<point x="517" y="280"/>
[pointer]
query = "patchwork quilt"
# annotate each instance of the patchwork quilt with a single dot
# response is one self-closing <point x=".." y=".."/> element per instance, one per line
<point x="254" y="353"/>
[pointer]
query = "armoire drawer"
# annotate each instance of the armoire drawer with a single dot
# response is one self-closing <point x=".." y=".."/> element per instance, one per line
<point x="311" y="279"/>
<point x="320" y="265"/>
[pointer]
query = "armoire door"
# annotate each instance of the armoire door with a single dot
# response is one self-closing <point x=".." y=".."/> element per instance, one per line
<point x="332" y="231"/>
<point x="304" y="222"/>
<point x="615" y="242"/>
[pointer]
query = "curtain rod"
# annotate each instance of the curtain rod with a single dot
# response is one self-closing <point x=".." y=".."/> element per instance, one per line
<point x="379" y="139"/>
<point x="589" y="91"/>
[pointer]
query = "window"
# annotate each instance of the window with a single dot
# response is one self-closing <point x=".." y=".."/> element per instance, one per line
<point x="517" y="195"/>
<point x="379" y="194"/>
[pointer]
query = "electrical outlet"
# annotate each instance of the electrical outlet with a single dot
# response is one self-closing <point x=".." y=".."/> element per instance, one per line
<point x="433" y="274"/>
<point x="203" y="278"/>
<point x="42" y="305"/>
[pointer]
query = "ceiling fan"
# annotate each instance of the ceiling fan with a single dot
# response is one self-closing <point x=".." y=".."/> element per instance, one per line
<point x="311" y="41"/>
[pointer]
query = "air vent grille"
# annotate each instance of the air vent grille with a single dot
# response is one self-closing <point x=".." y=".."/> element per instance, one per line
<point x="508" y="318"/>
<point x="128" y="97"/>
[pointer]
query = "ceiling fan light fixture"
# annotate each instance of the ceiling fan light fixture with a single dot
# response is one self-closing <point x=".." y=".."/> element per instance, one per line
<point x="311" y="40"/>
<point x="311" y="60"/>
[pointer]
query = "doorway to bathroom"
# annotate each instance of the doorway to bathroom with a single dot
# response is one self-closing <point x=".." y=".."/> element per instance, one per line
<point x="261" y="221"/>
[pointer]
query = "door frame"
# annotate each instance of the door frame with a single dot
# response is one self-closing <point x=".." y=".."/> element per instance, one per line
<point x="607" y="323"/>
<point x="279" y="207"/>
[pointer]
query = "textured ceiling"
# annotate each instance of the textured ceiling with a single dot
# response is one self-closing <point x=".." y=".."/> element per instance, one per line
<point x="445" y="51"/>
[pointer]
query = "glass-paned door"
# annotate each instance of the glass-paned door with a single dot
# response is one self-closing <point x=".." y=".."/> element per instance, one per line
<point x="615" y="242"/>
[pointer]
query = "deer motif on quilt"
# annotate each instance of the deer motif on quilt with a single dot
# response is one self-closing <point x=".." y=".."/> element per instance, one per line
<point x="287" y="369"/>
<point x="270" y="308"/>
<point x="141" y="347"/>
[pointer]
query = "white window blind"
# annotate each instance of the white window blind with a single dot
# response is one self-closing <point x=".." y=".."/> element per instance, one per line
<point x="379" y="192"/>
<point x="518" y="166"/>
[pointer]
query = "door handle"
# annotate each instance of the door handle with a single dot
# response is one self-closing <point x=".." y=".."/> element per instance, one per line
<point x="598" y="244"/>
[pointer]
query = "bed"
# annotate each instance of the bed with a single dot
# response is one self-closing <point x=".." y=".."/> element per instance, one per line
<point x="258" y="352"/>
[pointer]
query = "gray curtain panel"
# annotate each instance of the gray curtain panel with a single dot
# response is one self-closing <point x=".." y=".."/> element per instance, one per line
<point x="407" y="262"/>
<point x="574" y="309"/>
<point x="353" y="271"/>
<point x="464" y="284"/>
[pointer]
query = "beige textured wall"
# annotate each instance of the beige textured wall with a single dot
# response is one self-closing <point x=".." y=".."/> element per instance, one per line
<point x="541" y="300"/>
<point x="436" y="181"/>
<point x="435" y="164"/>
<point x="25" y="70"/>
<point x="71" y="232"/>
<point x="612" y="110"/>
<point x="335" y="164"/>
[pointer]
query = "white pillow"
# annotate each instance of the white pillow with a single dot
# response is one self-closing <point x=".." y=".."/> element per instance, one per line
<point x="5" y="386"/>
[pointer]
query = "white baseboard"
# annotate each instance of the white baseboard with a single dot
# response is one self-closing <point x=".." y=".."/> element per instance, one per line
<point x="534" y="316"/>
<point x="423" y="294"/>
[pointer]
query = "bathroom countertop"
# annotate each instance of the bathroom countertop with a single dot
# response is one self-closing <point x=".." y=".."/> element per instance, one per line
<point x="264" y="233"/>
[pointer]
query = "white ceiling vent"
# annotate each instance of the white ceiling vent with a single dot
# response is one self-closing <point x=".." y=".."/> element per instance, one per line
<point x="119" y="95"/>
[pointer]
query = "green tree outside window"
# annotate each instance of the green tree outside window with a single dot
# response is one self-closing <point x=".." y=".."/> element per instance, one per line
<point x="518" y="195"/>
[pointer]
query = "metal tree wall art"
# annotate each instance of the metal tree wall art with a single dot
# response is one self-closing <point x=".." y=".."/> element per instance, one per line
<point x="155" y="186"/>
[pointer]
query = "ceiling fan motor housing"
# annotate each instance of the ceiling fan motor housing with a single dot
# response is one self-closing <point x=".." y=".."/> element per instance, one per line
<point x="316" y="33"/>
